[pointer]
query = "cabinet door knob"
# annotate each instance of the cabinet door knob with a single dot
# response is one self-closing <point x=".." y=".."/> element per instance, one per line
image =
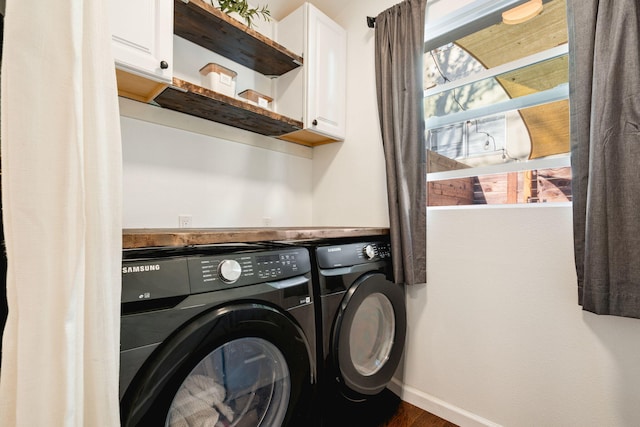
<point x="164" y="65"/>
<point x="315" y="123"/>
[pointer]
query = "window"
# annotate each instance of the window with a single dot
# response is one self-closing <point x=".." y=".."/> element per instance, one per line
<point x="497" y="107"/>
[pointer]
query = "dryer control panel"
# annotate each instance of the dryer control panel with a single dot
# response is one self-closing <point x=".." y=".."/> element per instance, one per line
<point x="352" y="254"/>
<point x="210" y="273"/>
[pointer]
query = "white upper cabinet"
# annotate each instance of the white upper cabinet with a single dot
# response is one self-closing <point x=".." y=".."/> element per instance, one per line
<point x="326" y="74"/>
<point x="316" y="92"/>
<point x="142" y="34"/>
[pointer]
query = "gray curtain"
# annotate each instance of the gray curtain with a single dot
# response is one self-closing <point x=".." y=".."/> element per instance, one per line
<point x="604" y="67"/>
<point x="399" y="41"/>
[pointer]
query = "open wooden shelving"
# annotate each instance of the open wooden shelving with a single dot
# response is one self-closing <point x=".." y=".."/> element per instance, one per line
<point x="206" y="26"/>
<point x="197" y="101"/>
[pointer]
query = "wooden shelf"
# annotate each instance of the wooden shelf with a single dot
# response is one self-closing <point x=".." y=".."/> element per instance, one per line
<point x="197" y="101"/>
<point x="212" y="29"/>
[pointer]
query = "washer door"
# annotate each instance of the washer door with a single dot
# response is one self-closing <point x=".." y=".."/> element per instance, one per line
<point x="244" y="365"/>
<point x="369" y="334"/>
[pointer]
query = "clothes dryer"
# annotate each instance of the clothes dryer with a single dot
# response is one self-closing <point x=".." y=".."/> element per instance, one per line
<point x="361" y="317"/>
<point x="217" y="335"/>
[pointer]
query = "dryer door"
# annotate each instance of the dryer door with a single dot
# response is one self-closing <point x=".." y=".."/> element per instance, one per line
<point x="237" y="365"/>
<point x="369" y="334"/>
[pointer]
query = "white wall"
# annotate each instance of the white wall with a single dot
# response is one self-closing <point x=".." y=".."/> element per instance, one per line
<point x="497" y="331"/>
<point x="168" y="172"/>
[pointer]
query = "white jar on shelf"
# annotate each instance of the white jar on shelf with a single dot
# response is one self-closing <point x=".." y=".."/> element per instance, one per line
<point x="256" y="98"/>
<point x="219" y="79"/>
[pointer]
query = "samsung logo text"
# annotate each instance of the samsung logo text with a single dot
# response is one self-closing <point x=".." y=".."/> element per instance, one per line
<point x="140" y="268"/>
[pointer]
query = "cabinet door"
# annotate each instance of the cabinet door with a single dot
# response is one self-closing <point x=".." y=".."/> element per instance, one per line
<point x="325" y="61"/>
<point x="142" y="34"/>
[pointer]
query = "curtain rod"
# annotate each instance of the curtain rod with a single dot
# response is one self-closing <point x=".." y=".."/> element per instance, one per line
<point x="371" y="22"/>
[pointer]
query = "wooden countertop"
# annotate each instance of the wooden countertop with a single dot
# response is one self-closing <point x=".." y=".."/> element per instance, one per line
<point x="154" y="237"/>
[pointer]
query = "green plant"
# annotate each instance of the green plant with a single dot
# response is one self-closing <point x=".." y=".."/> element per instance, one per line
<point x="242" y="8"/>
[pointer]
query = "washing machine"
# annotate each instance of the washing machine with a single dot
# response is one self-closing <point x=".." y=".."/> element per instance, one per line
<point x="220" y="335"/>
<point x="361" y="316"/>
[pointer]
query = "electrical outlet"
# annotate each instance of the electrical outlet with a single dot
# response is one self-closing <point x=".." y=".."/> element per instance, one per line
<point x="184" y="221"/>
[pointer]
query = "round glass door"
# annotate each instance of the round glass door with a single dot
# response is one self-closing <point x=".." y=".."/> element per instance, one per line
<point x="245" y="382"/>
<point x="372" y="334"/>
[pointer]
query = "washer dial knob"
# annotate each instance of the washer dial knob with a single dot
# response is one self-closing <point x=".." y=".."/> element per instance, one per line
<point x="369" y="252"/>
<point x="229" y="270"/>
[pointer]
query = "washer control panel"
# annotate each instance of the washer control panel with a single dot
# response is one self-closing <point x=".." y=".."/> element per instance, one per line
<point x="151" y="279"/>
<point x="210" y="273"/>
<point x="352" y="254"/>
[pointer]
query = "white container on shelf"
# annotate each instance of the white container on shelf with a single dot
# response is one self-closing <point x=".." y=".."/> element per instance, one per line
<point x="256" y="98"/>
<point x="219" y="79"/>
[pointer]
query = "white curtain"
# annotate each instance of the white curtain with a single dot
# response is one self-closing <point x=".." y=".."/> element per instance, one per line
<point x="61" y="189"/>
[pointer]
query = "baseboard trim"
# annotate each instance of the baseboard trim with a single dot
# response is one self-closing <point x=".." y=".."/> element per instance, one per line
<point x="438" y="407"/>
